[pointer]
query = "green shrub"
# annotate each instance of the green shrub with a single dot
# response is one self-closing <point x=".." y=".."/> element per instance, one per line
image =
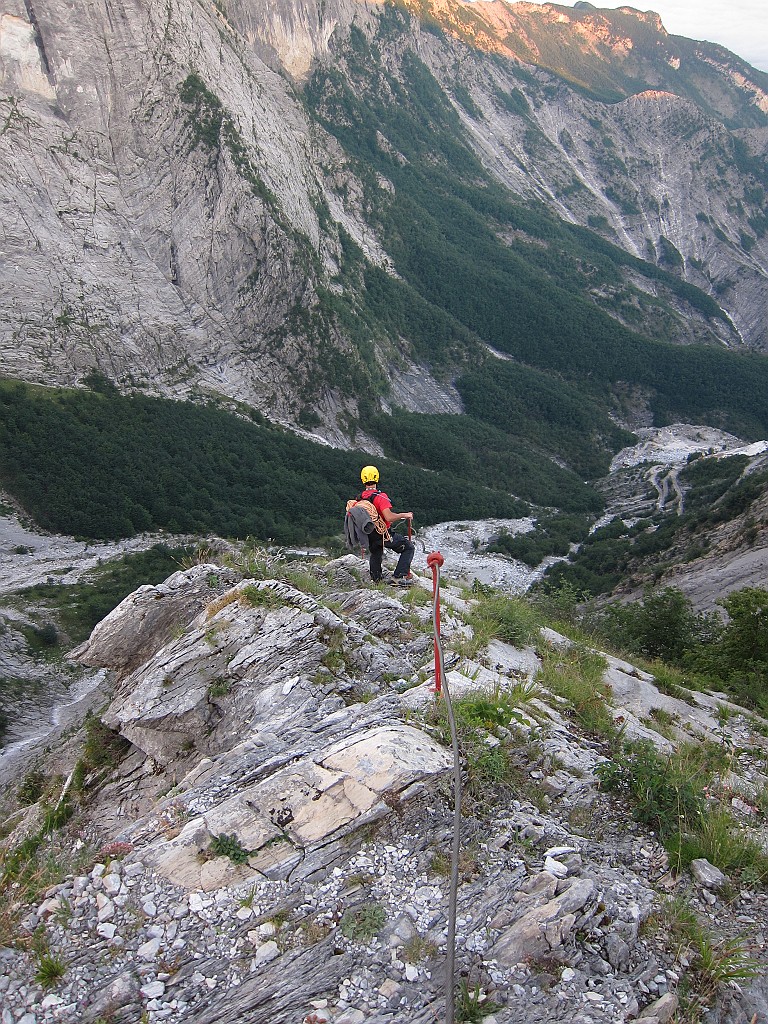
<point x="230" y="846"/>
<point x="673" y="682"/>
<point x="484" y="720"/>
<point x="262" y="597"/>
<point x="472" y="1005"/>
<point x="41" y="639"/>
<point x="304" y="581"/>
<point x="39" y="863"/>
<point x="718" y="838"/>
<point x="576" y="676"/>
<point x="714" y="961"/>
<point x="511" y="619"/>
<point x="560" y="604"/>
<point x="417" y="949"/>
<point x="663" y="625"/>
<point x="363" y="923"/>
<point x="103" y="746"/>
<point x="219" y="687"/>
<point x="31" y="787"/>
<point x="665" y="794"/>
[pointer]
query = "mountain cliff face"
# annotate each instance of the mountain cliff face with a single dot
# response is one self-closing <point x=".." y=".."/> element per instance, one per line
<point x="136" y="240"/>
<point x="182" y="209"/>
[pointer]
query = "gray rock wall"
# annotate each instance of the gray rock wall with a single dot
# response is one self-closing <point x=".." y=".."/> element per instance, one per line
<point x="132" y="245"/>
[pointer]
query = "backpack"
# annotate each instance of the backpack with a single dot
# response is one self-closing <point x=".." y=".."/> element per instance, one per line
<point x="361" y="519"/>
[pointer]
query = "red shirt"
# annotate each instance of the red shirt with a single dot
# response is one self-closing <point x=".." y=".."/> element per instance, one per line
<point x="378" y="499"/>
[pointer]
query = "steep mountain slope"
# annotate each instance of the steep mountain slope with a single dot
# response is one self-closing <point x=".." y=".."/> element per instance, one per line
<point x="142" y="235"/>
<point x="172" y="216"/>
<point x="482" y="239"/>
<point x="608" y="54"/>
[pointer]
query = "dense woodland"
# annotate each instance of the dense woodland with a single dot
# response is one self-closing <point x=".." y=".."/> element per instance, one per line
<point x="98" y="464"/>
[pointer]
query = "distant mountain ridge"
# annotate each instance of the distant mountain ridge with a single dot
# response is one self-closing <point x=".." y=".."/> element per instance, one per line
<point x="610" y="54"/>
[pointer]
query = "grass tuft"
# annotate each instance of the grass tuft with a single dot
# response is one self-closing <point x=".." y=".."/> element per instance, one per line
<point x="50" y="970"/>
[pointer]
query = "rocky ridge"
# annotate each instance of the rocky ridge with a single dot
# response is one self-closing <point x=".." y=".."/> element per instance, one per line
<point x="272" y="838"/>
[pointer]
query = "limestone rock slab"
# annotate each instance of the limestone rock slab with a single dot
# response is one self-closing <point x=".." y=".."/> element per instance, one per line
<point x="545" y="927"/>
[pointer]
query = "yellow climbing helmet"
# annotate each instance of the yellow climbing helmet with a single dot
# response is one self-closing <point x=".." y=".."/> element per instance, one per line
<point x="369" y="475"/>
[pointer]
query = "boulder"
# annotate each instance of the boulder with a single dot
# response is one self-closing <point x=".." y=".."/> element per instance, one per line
<point x="545" y="927"/>
<point x="147" y="618"/>
<point x="288" y="819"/>
<point x="122" y="991"/>
<point x="662" y="1010"/>
<point x="707" y="874"/>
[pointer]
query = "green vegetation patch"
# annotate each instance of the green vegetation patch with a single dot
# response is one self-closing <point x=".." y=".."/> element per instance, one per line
<point x="576" y="675"/>
<point x="517" y="457"/>
<point x="108" y="466"/>
<point x="78" y="607"/>
<point x="554" y="534"/>
<point x="224" y="845"/>
<point x="364" y="923"/>
<point x="677" y="796"/>
<point x="495" y="616"/>
<point x="496" y="759"/>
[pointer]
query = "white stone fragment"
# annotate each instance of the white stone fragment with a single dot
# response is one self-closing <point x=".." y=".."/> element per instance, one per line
<point x="265" y="953"/>
<point x="554" y="867"/>
<point x="707" y="874"/>
<point x="111" y="883"/>
<point x="196" y="903"/>
<point x="149" y="950"/>
<point x="154" y="990"/>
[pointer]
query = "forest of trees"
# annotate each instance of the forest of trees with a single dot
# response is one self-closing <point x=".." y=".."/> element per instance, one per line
<point x="102" y="465"/>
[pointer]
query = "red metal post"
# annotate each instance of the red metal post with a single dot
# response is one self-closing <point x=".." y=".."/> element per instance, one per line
<point x="434" y="561"/>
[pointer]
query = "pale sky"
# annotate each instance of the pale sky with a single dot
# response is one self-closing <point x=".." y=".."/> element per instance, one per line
<point x="741" y="25"/>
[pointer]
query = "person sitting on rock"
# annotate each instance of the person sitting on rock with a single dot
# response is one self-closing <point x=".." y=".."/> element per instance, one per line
<point x="398" y="543"/>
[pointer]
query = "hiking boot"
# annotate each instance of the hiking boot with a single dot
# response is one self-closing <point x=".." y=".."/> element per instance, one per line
<point x="400" y="581"/>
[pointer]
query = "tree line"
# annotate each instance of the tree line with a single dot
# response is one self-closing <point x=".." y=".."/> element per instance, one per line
<point x="103" y="465"/>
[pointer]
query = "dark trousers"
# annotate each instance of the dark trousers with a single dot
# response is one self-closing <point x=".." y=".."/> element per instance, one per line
<point x="404" y="547"/>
